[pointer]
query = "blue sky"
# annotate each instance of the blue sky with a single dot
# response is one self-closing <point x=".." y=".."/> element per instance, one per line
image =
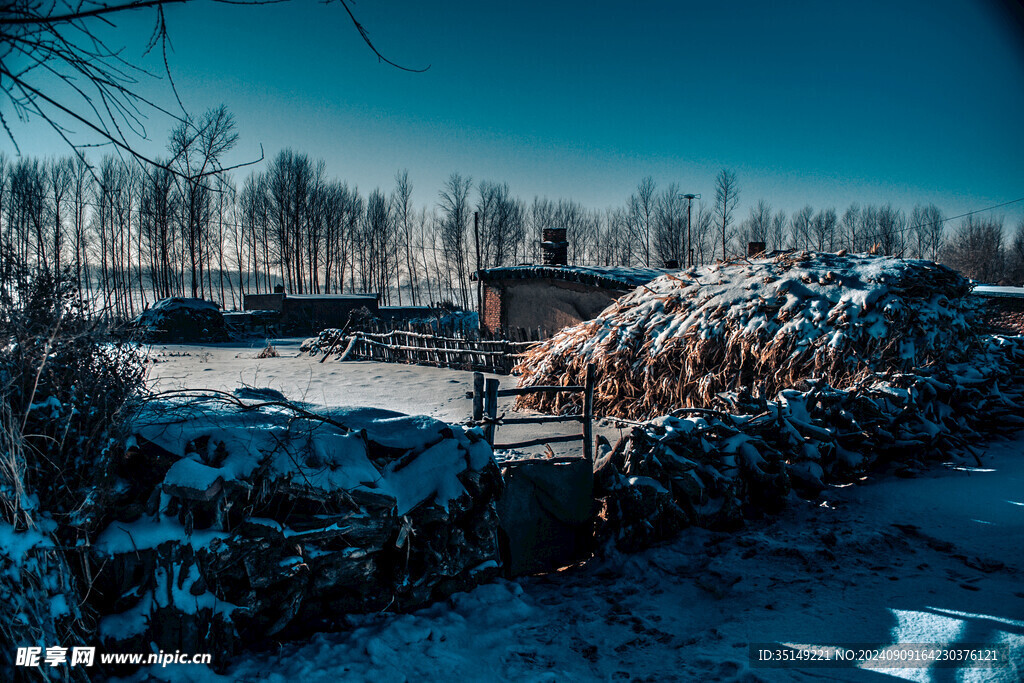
<point x="809" y="102"/>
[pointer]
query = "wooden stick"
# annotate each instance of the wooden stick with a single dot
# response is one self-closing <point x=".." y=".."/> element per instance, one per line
<point x="478" y="396"/>
<point x="588" y="414"/>
<point x="542" y="419"/>
<point x="491" y="406"/>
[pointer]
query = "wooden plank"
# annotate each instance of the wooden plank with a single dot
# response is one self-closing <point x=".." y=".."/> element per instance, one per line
<point x="538" y="442"/>
<point x="520" y="391"/>
<point x="541" y="419"/>
<point x="349" y="348"/>
<point x="588" y="414"/>
<point x="457" y="352"/>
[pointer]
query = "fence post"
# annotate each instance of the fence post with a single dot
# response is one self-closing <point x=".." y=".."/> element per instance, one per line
<point x="491" y="406"/>
<point x="588" y="414"/>
<point x="478" y="396"/>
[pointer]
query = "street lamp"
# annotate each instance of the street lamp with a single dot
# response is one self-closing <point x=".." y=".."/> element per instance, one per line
<point x="689" y="235"/>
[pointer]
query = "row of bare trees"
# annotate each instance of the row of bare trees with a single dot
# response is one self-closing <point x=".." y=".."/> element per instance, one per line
<point x="131" y="234"/>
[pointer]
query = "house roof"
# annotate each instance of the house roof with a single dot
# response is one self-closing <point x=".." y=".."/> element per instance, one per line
<point x="331" y="297"/>
<point x="609" y="277"/>
<point x="995" y="291"/>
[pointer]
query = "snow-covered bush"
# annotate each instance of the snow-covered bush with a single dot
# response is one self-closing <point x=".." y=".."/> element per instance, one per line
<point x="63" y="384"/>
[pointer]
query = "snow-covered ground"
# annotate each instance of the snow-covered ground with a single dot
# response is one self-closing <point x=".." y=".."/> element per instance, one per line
<point x="412" y="389"/>
<point x="419" y="390"/>
<point x="934" y="559"/>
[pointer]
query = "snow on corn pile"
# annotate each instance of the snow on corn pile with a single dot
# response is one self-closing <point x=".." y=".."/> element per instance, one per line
<point x="245" y="517"/>
<point x="713" y="467"/>
<point x="759" y="325"/>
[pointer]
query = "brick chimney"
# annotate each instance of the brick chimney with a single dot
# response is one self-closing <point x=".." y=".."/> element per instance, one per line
<point x="554" y="248"/>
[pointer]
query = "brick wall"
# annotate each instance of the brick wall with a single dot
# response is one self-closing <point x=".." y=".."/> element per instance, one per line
<point x="492" y="308"/>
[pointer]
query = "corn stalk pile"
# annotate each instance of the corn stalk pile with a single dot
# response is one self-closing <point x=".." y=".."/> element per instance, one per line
<point x="741" y="458"/>
<point x="245" y="518"/>
<point x="758" y="326"/>
<point x="180" y="319"/>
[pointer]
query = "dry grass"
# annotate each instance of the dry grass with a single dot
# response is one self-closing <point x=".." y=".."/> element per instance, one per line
<point x="269" y="351"/>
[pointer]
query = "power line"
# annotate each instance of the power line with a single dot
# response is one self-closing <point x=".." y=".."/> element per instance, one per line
<point x="945" y="220"/>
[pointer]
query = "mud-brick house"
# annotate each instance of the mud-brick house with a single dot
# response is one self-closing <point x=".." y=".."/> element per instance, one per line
<point x="1002" y="308"/>
<point x="552" y="295"/>
<point x="310" y="313"/>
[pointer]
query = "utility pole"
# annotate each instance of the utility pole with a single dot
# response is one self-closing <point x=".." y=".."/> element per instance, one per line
<point x="689" y="234"/>
<point x="476" y="236"/>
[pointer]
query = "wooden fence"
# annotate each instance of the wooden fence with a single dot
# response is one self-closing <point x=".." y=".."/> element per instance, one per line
<point x="398" y="346"/>
<point x="485" y="410"/>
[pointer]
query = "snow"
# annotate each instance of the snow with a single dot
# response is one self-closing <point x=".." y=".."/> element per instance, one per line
<point x="432" y="475"/>
<point x="182" y="303"/>
<point x="820" y="575"/>
<point x="417" y="392"/>
<point x="15" y="545"/>
<point x="327" y="456"/>
<point x="936" y="558"/>
<point x="818" y="300"/>
<point x="144" y="534"/>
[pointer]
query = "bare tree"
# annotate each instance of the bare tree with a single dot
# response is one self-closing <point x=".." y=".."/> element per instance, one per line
<point x="502" y="225"/>
<point x="542" y="214"/>
<point x="197" y="149"/>
<point x="641" y="212"/>
<point x="976" y="249"/>
<point x="926" y="228"/>
<point x="703" y="233"/>
<point x="868" y="231"/>
<point x="670" y="226"/>
<point x="727" y="197"/>
<point x="57" y="68"/>
<point x="801" y="228"/>
<point x="401" y="202"/>
<point x="891" y="235"/>
<point x="572" y="216"/>
<point x="616" y="244"/>
<point x="81" y="191"/>
<point x="455" y="217"/>
<point x="758" y="225"/>
<point x="777" y="234"/>
<point x="1015" y="256"/>
<point x="60" y="177"/>
<point x="849" y="228"/>
<point x="823" y="230"/>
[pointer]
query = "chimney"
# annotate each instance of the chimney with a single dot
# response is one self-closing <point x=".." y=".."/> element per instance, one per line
<point x="755" y="248"/>
<point x="554" y="248"/>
